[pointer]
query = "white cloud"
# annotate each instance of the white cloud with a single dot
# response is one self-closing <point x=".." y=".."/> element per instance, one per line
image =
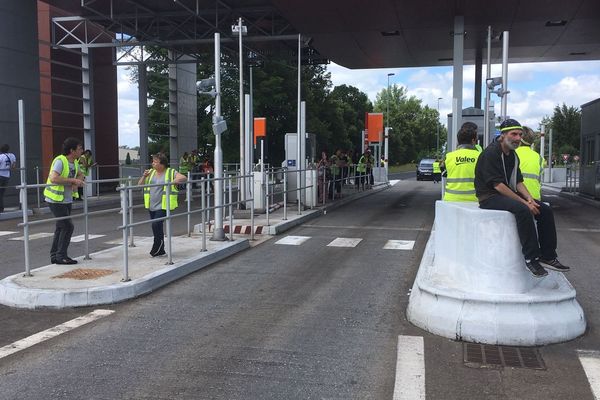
<point x="128" y="109"/>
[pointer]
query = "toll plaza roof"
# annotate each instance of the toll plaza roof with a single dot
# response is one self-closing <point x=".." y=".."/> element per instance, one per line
<point x="364" y="34"/>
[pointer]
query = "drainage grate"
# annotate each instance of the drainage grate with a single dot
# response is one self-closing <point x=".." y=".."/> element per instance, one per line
<point x="84" y="274"/>
<point x="488" y="356"/>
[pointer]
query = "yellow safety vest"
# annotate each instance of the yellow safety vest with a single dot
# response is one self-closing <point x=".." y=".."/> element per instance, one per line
<point x="362" y="166"/>
<point x="460" y="168"/>
<point x="88" y="161"/>
<point x="56" y="193"/>
<point x="530" y="164"/>
<point x="436" y="168"/>
<point x="169" y="177"/>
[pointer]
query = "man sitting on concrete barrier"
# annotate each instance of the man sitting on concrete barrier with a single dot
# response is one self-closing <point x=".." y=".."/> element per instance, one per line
<point x="499" y="186"/>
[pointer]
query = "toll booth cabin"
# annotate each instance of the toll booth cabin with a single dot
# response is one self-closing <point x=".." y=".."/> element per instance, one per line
<point x="589" y="179"/>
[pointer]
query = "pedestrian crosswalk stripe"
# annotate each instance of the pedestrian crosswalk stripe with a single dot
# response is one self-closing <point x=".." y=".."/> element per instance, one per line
<point x="345" y="242"/>
<point x="135" y="239"/>
<point x="34" y="236"/>
<point x="293" y="240"/>
<point x="590" y="360"/>
<point x="4" y="233"/>
<point x="399" y="244"/>
<point x="81" y="238"/>
<point x="410" y="369"/>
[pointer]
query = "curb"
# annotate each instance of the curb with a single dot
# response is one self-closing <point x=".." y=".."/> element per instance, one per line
<point x="14" y="295"/>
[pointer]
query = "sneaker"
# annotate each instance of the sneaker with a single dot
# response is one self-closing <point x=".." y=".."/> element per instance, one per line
<point x="536" y="269"/>
<point x="554" y="264"/>
<point x="160" y="250"/>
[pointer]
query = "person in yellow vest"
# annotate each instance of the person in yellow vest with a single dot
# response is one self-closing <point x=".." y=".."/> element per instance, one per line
<point x="437" y="171"/>
<point x="155" y="197"/>
<point x="531" y="164"/>
<point x="460" y="166"/>
<point x="64" y="179"/>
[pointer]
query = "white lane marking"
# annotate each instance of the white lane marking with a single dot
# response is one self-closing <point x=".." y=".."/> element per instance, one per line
<point x="4" y="233"/>
<point x="345" y="242"/>
<point x="410" y="369"/>
<point x="590" y="360"/>
<point x="375" y="228"/>
<point x="293" y="240"/>
<point x="399" y="244"/>
<point x="584" y="230"/>
<point x="394" y="181"/>
<point x="34" y="236"/>
<point x="81" y="238"/>
<point x="120" y="240"/>
<point x="52" y="332"/>
<point x="550" y="195"/>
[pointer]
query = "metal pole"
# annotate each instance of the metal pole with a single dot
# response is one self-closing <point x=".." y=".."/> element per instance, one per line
<point x="543" y="145"/>
<point x="124" y="216"/>
<point x="218" y="232"/>
<point x="504" y="73"/>
<point x="188" y="194"/>
<point x="488" y="74"/>
<point x="267" y="198"/>
<point x="37" y="181"/>
<point x="203" y="213"/>
<point x="298" y="129"/>
<point x="550" y="157"/>
<point x="285" y="194"/>
<point x="242" y="184"/>
<point x="24" y="208"/>
<point x="130" y="209"/>
<point x="230" y="208"/>
<point x="437" y="145"/>
<point x="86" y="224"/>
<point x="169" y="255"/>
<point x="252" y="218"/>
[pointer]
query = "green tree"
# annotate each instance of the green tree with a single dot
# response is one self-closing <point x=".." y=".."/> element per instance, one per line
<point x="353" y="104"/>
<point x="566" y="130"/>
<point x="414" y="126"/>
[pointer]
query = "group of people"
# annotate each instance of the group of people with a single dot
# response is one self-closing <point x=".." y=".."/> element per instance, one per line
<point x="506" y="176"/>
<point x="339" y="169"/>
<point x="192" y="162"/>
<point x="67" y="175"/>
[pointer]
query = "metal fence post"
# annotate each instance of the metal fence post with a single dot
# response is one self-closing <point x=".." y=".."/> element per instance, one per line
<point x="168" y="194"/>
<point x="285" y="194"/>
<point x="130" y="210"/>
<point x="86" y="224"/>
<point x="267" y="198"/>
<point x="188" y="198"/>
<point x="203" y="212"/>
<point x="125" y="228"/>
<point x="252" y="219"/>
<point x="37" y="181"/>
<point x="231" y="207"/>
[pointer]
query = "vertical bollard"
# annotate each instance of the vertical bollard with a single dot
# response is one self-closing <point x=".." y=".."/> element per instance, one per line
<point x="124" y="216"/>
<point x="231" y="207"/>
<point x="188" y="198"/>
<point x="208" y="193"/>
<point x="86" y="224"/>
<point x="203" y="212"/>
<point x="252" y="220"/>
<point x="130" y="210"/>
<point x="267" y="198"/>
<point x="285" y="195"/>
<point x="23" y="193"/>
<point x="169" y="255"/>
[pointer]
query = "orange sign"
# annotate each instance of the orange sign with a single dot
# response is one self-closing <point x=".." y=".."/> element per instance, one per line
<point x="260" y="128"/>
<point x="374" y="127"/>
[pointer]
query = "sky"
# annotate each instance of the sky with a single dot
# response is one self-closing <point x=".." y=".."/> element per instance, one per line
<point x="535" y="89"/>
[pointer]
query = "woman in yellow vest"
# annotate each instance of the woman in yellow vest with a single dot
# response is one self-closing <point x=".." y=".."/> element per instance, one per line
<point x="155" y="197"/>
<point x="460" y="167"/>
<point x="530" y="164"/>
<point x="64" y="177"/>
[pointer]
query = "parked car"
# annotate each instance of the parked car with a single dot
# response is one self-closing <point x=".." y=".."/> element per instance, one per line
<point x="425" y="169"/>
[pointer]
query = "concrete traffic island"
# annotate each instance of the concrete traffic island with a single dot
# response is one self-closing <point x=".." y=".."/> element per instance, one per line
<point x="473" y="285"/>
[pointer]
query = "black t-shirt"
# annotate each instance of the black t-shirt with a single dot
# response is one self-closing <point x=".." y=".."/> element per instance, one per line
<point x="490" y="170"/>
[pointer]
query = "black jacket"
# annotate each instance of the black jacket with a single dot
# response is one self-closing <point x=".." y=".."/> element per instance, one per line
<point x="493" y="167"/>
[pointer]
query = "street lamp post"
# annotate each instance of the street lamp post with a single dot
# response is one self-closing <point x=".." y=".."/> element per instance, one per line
<point x="437" y="145"/>
<point x="387" y="118"/>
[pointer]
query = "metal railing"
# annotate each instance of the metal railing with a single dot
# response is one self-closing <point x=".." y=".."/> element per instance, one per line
<point x="126" y="191"/>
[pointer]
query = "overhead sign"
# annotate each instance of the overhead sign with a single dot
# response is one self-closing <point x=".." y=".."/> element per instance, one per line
<point x="260" y="128"/>
<point x="374" y="127"/>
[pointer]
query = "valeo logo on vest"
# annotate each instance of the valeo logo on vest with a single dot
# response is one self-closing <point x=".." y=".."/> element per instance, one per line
<point x="463" y="159"/>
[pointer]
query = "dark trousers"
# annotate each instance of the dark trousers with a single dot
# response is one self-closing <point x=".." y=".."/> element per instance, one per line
<point x="546" y="230"/>
<point x="158" y="227"/>
<point x="63" y="231"/>
<point x="3" y="183"/>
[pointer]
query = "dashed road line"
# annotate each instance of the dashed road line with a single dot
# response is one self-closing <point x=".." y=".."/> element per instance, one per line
<point x="590" y="360"/>
<point x="4" y="233"/>
<point x="293" y="240"/>
<point x="81" y="238"/>
<point x="399" y="245"/>
<point x="345" y="242"/>
<point x="34" y="236"/>
<point x="410" y="369"/>
<point x="52" y="332"/>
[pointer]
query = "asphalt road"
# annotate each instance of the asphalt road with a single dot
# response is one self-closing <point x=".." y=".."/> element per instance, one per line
<point x="306" y="321"/>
